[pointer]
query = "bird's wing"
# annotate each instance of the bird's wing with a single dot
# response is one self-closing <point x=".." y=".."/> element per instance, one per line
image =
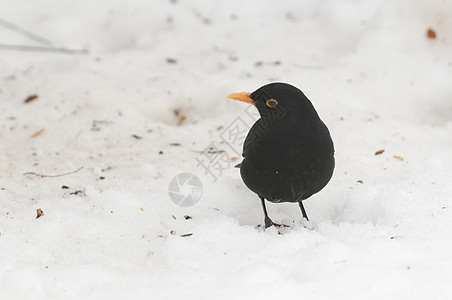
<point x="256" y="132"/>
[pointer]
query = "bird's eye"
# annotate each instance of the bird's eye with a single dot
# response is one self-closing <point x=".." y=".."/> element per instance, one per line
<point x="271" y="103"/>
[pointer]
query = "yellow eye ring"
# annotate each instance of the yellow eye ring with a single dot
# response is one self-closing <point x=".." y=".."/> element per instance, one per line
<point x="271" y="103"/>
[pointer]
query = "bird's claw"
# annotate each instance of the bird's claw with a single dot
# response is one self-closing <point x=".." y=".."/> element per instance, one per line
<point x="270" y="223"/>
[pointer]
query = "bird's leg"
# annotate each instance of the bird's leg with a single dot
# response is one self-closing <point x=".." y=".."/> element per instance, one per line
<point x="303" y="211"/>
<point x="267" y="220"/>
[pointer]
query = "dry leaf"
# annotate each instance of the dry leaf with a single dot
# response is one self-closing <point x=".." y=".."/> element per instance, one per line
<point x="181" y="120"/>
<point x="39" y="213"/>
<point x="180" y="117"/>
<point x="38" y="133"/>
<point x="31" y="98"/>
<point x="379" y="152"/>
<point x="431" y="34"/>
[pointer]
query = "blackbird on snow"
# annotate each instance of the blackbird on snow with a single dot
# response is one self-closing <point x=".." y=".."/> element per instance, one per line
<point x="288" y="154"/>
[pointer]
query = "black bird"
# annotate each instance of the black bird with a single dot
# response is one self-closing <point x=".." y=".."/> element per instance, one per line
<point x="288" y="153"/>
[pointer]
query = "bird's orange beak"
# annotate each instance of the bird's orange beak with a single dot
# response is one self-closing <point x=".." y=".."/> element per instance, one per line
<point x="244" y="97"/>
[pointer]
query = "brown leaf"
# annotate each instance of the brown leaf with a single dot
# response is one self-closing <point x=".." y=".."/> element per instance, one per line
<point x="39" y="213"/>
<point x="431" y="34"/>
<point x="37" y="133"/>
<point x="181" y="120"/>
<point x="31" y="98"/>
<point x="379" y="152"/>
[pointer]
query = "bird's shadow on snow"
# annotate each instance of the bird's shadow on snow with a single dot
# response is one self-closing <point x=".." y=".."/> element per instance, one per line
<point x="232" y="198"/>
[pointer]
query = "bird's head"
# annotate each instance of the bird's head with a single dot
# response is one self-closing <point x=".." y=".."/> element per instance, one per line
<point x="279" y="102"/>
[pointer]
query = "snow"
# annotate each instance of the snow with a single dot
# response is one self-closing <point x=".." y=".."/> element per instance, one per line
<point x="370" y="70"/>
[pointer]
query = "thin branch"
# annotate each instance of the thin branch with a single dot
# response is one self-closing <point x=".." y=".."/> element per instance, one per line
<point x="25" y="32"/>
<point x="43" y="49"/>
<point x="58" y="175"/>
<point x="208" y="151"/>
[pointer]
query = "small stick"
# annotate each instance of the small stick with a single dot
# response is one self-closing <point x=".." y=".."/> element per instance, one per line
<point x="58" y="175"/>
<point x="208" y="151"/>
<point x="186" y="234"/>
<point x="43" y="49"/>
<point x="25" y="32"/>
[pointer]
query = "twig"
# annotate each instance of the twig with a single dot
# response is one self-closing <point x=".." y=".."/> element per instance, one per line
<point x="25" y="32"/>
<point x="208" y="151"/>
<point x="58" y="175"/>
<point x="43" y="49"/>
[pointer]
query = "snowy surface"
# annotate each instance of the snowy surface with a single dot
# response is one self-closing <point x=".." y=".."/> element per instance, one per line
<point x="161" y="70"/>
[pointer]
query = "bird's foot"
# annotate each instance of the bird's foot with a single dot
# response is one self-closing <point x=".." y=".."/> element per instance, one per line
<point x="307" y="224"/>
<point x="269" y="223"/>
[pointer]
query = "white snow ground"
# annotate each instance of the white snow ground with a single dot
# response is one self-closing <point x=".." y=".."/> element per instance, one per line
<point x="374" y="76"/>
